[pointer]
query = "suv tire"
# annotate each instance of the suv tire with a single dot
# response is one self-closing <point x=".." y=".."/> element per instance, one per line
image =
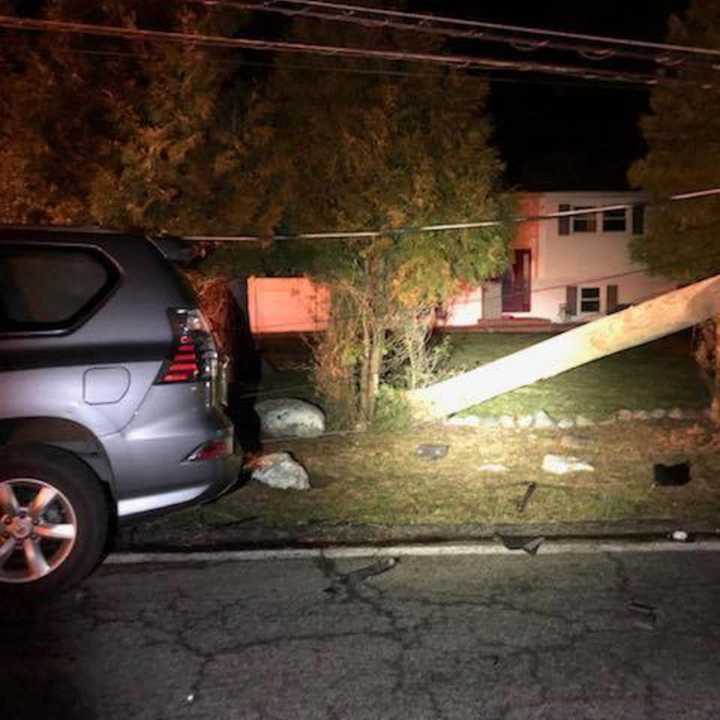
<point x="54" y="519"/>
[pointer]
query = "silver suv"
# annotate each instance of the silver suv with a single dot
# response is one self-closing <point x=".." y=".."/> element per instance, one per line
<point x="109" y="398"/>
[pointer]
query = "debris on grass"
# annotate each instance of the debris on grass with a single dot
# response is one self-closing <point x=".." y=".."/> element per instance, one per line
<point x="431" y="451"/>
<point x="564" y="464"/>
<point x="672" y="475"/>
<point x="522" y="503"/>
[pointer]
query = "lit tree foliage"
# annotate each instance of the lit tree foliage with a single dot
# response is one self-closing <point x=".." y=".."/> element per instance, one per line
<point x="376" y="148"/>
<point x="683" y="138"/>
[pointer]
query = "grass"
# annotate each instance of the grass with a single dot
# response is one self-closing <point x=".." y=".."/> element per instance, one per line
<point x="377" y="479"/>
<point x="368" y="479"/>
<point x="658" y="375"/>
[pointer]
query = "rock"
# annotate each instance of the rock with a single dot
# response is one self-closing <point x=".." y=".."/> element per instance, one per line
<point x="281" y="470"/>
<point x="574" y="442"/>
<point x="581" y="421"/>
<point x="624" y="415"/>
<point x="564" y="464"/>
<point x="492" y="468"/>
<point x="524" y="421"/>
<point x="431" y="451"/>
<point x="289" y="417"/>
<point x="641" y="415"/>
<point x="565" y="423"/>
<point x="542" y="420"/>
<point x="676" y="414"/>
<point x="658" y="414"/>
<point x="608" y="421"/>
<point x="507" y="421"/>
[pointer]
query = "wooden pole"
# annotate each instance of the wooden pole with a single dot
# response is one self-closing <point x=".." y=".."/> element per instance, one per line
<point x="653" y="319"/>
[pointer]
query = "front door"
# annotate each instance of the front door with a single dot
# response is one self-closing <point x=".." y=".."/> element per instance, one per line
<point x="516" y="284"/>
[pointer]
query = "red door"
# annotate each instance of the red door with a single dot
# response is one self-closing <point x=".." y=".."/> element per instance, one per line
<point x="516" y="284"/>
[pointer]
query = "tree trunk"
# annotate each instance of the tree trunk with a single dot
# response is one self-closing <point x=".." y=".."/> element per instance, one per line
<point x="637" y="325"/>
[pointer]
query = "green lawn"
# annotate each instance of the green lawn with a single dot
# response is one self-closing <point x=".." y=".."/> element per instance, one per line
<point x="659" y="375"/>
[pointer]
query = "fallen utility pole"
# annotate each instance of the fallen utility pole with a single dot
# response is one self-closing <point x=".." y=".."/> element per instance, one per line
<point x="653" y="319"/>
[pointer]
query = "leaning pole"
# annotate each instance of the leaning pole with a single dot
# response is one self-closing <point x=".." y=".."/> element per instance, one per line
<point x="650" y="320"/>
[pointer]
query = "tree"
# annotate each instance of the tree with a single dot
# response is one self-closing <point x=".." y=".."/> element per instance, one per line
<point x="378" y="146"/>
<point x="682" y="134"/>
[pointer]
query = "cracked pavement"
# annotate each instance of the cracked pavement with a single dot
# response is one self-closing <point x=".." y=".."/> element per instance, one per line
<point x="506" y="637"/>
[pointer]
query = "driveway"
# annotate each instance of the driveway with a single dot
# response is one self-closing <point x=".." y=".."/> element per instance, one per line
<point x="548" y="636"/>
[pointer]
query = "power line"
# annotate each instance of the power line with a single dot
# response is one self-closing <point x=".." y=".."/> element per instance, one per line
<point x="519" y="38"/>
<point x="474" y="28"/>
<point x="464" y="62"/>
<point x="449" y="227"/>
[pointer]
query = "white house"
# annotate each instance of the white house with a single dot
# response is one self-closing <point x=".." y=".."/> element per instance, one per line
<point x="567" y="269"/>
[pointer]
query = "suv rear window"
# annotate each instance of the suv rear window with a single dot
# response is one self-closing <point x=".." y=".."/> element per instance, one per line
<point x="44" y="288"/>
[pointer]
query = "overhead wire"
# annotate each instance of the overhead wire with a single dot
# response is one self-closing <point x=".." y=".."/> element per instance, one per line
<point x="519" y="37"/>
<point x="465" y="62"/>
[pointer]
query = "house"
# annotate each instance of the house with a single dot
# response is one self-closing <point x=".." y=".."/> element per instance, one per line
<point x="571" y="268"/>
<point x="566" y="269"/>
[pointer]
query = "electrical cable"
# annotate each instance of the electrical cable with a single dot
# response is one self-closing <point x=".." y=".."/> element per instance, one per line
<point x="457" y="61"/>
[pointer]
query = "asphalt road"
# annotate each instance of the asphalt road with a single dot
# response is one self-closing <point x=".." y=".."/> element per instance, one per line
<point x="550" y="636"/>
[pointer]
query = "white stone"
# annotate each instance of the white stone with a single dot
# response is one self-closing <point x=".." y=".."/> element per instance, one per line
<point x="280" y="470"/>
<point x="542" y="420"/>
<point x="564" y="464"/>
<point x="676" y="414"/>
<point x="524" y="421"/>
<point x="565" y="423"/>
<point x="624" y="415"/>
<point x="290" y="417"/>
<point x="582" y="421"/>
<point x="507" y="421"/>
<point x="658" y="414"/>
<point x="492" y="468"/>
<point x="641" y="415"/>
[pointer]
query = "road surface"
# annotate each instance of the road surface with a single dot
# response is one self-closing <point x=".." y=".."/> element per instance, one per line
<point x="550" y="636"/>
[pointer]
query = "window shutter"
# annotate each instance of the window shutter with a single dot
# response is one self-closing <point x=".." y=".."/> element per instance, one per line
<point x="638" y="219"/>
<point x="612" y="299"/>
<point x="571" y="299"/>
<point x="563" y="222"/>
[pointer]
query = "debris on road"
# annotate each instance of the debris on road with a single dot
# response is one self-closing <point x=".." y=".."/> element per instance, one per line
<point x="431" y="451"/>
<point x="645" y="615"/>
<point x="525" y="499"/>
<point x="350" y="580"/>
<point x="672" y="475"/>
<point x="682" y="536"/>
<point x="518" y="542"/>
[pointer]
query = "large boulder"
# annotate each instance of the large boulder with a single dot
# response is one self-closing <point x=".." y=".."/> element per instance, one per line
<point x="281" y="470"/>
<point x="290" y="417"/>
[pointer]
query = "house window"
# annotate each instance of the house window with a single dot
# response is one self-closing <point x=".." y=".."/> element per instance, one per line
<point x="584" y="223"/>
<point x="590" y="300"/>
<point x="614" y="221"/>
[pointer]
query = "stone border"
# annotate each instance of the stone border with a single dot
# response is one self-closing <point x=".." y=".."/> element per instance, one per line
<point x="542" y="421"/>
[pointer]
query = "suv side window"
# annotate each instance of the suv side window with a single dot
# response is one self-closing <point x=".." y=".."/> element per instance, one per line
<point x="45" y="288"/>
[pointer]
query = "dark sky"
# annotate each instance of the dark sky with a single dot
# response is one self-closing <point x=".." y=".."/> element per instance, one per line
<point x="557" y="133"/>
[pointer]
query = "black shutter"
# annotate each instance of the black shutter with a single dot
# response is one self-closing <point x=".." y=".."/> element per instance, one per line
<point x="563" y="222"/>
<point x="612" y="299"/>
<point x="571" y="299"/>
<point x="638" y="219"/>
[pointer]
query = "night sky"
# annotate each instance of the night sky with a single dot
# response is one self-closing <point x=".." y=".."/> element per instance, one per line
<point x="558" y="133"/>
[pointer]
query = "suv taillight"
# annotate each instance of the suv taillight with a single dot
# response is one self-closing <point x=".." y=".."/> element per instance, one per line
<point x="194" y="357"/>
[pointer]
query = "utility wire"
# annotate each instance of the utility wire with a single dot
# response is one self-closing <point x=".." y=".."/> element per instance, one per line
<point x="522" y="39"/>
<point x="475" y="29"/>
<point x="456" y="61"/>
<point x="448" y="227"/>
